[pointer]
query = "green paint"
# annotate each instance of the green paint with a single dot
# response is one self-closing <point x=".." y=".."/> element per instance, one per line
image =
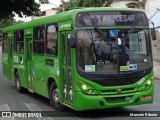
<point x="66" y="25"/>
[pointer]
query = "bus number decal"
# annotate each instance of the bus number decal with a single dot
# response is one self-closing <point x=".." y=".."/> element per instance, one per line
<point x="21" y="60"/>
<point x="65" y="26"/>
<point x="15" y="59"/>
<point x="141" y="81"/>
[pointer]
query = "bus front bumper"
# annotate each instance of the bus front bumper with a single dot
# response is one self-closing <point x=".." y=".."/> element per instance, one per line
<point x="88" y="102"/>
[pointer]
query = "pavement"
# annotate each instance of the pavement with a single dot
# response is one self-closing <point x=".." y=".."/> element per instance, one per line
<point x="156" y="69"/>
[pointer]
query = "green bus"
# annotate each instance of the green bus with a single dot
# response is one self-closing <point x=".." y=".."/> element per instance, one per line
<point x="90" y="58"/>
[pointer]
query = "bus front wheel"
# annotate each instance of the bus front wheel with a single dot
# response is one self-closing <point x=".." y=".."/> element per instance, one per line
<point x="54" y="97"/>
<point x="18" y="84"/>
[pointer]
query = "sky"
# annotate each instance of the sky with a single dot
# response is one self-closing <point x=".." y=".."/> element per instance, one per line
<point x="54" y="3"/>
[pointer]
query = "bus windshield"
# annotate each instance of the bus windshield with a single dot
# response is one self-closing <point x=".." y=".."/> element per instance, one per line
<point x="120" y="51"/>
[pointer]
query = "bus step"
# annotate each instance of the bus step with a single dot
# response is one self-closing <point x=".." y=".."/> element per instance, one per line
<point x="30" y="90"/>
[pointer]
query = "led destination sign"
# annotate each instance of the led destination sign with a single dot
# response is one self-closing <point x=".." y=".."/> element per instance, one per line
<point x="117" y="18"/>
<point x="111" y="18"/>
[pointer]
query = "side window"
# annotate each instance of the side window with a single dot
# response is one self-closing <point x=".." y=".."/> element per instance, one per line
<point x="19" y="41"/>
<point x="51" y="42"/>
<point x="38" y="40"/>
<point x="5" y="43"/>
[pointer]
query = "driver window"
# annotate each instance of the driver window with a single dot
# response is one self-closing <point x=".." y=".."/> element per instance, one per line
<point x="142" y="41"/>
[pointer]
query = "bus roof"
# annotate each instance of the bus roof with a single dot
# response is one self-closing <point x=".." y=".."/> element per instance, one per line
<point x="67" y="15"/>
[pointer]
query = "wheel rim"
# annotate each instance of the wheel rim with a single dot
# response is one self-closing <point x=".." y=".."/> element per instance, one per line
<point x="56" y="96"/>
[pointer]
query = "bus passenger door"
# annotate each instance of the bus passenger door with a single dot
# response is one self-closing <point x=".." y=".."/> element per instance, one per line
<point x="67" y="88"/>
<point x="10" y="60"/>
<point x="28" y="61"/>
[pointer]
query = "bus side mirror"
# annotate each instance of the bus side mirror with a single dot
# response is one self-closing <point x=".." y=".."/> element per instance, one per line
<point x="153" y="33"/>
<point x="72" y="41"/>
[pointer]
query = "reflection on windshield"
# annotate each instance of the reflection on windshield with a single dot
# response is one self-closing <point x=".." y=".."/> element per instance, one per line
<point x="116" y="51"/>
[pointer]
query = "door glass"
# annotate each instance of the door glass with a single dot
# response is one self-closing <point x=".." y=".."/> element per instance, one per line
<point x="11" y="53"/>
<point x="63" y="49"/>
<point x="69" y="50"/>
<point x="66" y="69"/>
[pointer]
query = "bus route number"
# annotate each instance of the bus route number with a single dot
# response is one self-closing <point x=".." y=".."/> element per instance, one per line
<point x="141" y="81"/>
<point x="15" y="59"/>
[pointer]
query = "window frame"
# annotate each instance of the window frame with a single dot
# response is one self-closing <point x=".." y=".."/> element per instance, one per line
<point x="6" y="43"/>
<point x="18" y="41"/>
<point x="35" y="40"/>
<point x="46" y="40"/>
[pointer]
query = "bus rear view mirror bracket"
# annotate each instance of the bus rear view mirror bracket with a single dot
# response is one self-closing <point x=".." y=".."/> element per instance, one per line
<point x="72" y="41"/>
<point x="153" y="33"/>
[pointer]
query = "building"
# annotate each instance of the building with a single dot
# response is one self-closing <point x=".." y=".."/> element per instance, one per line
<point x="156" y="19"/>
<point x="152" y="10"/>
<point x="48" y="12"/>
<point x="149" y="6"/>
<point x="156" y="43"/>
<point x="125" y="3"/>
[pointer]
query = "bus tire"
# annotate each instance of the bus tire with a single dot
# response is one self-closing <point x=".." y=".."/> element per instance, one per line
<point x="18" y="84"/>
<point x="54" y="97"/>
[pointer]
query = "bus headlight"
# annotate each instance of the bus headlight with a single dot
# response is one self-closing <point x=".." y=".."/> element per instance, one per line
<point x="149" y="82"/>
<point x="85" y="88"/>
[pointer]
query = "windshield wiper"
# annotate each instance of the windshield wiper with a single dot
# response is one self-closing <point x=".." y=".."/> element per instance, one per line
<point x="130" y="31"/>
<point x="104" y="37"/>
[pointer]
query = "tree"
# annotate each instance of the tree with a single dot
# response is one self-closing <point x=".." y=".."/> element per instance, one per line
<point x="71" y="4"/>
<point x="94" y="3"/>
<point x="65" y="6"/>
<point x="5" y="23"/>
<point x="8" y="8"/>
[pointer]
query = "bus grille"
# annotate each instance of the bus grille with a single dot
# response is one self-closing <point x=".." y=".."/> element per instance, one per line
<point x="118" y="99"/>
<point x="114" y="91"/>
<point x="117" y="81"/>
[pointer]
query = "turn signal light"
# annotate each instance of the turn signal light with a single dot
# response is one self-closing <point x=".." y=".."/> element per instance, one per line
<point x="152" y="78"/>
<point x="90" y="91"/>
